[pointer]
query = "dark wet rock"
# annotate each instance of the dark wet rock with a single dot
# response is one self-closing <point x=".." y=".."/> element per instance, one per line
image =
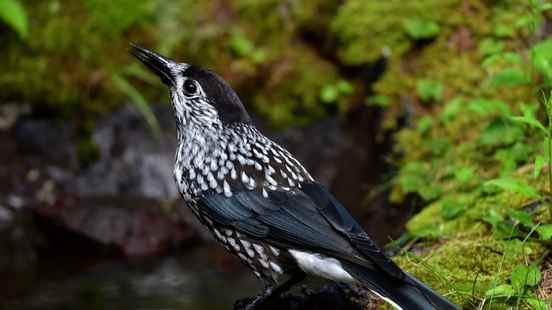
<point x="330" y="297"/>
<point x="131" y="225"/>
<point x="318" y="147"/>
<point x="48" y="139"/>
<point x="132" y="161"/>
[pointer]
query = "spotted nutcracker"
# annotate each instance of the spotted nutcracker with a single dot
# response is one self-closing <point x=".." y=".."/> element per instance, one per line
<point x="261" y="204"/>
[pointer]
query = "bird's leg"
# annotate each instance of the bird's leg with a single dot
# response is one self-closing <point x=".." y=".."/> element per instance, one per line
<point x="274" y="291"/>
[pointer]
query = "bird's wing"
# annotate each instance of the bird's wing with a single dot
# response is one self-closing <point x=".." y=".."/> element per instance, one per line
<point x="307" y="219"/>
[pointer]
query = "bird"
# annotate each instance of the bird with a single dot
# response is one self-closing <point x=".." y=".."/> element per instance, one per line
<point x="262" y="204"/>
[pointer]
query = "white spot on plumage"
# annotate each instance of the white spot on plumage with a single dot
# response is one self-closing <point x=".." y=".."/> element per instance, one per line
<point x="265" y="193"/>
<point x="217" y="234"/>
<point x="274" y="250"/>
<point x="251" y="184"/>
<point x="228" y="232"/>
<point x="258" y="166"/>
<point x="233" y="243"/>
<point x="276" y="268"/>
<point x="241" y="159"/>
<point x="248" y="250"/>
<point x="270" y="180"/>
<point x="212" y="181"/>
<point x="244" y="178"/>
<point x="226" y="189"/>
<point x="243" y="257"/>
<point x="260" y="251"/>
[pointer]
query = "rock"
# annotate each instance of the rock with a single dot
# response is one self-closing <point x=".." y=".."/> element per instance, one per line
<point x="134" y="226"/>
<point x="317" y="147"/>
<point x="46" y="139"/>
<point x="132" y="162"/>
<point x="331" y="296"/>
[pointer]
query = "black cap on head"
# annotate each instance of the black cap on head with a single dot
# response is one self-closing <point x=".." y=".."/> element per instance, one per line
<point x="220" y="95"/>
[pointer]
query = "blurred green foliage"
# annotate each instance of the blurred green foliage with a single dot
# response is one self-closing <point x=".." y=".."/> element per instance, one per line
<point x="475" y="155"/>
<point x="13" y="14"/>
<point x="75" y="58"/>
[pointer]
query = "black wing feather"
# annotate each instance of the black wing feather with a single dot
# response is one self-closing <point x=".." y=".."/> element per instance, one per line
<point x="308" y="219"/>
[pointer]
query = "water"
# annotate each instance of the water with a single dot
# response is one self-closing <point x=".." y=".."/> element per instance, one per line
<point x="191" y="279"/>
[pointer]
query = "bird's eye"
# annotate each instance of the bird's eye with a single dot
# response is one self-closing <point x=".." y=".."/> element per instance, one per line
<point x="190" y="87"/>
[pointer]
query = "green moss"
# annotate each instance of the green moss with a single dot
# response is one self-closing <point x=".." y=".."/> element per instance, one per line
<point x="459" y="142"/>
<point x="463" y="269"/>
<point x="365" y="36"/>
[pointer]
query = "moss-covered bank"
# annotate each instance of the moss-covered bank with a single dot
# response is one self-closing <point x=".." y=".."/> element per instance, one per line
<point x="485" y="217"/>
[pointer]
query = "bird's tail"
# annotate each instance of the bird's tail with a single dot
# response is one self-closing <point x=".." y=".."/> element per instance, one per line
<point x="408" y="293"/>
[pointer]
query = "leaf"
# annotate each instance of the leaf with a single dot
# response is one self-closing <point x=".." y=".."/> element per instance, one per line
<point x="490" y="46"/>
<point x="344" y="87"/>
<point x="464" y="174"/>
<point x="504" y="31"/>
<point x="430" y="90"/>
<point x="538" y="304"/>
<point x="13" y="14"/>
<point x="138" y="100"/>
<point x="500" y="133"/>
<point x="486" y="107"/>
<point x="328" y="94"/>
<point x="451" y="110"/>
<point x="241" y="45"/>
<point x="503" y="290"/>
<point x="541" y="56"/>
<point x="421" y="29"/>
<point x="510" y="58"/>
<point x="545" y="232"/>
<point x="509" y="77"/>
<point x="501" y="228"/>
<point x="514" y="186"/>
<point x="529" y="121"/>
<point x="451" y="209"/>
<point x="429" y="230"/>
<point x="525" y="276"/>
<point x="540" y="161"/>
<point x="424" y="124"/>
<point x="545" y="7"/>
<point x="379" y="101"/>
<point x="522" y="217"/>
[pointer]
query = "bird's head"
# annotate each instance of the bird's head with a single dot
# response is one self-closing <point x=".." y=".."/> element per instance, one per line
<point x="200" y="97"/>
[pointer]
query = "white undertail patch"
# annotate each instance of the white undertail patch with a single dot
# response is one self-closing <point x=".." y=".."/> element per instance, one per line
<point x="322" y="266"/>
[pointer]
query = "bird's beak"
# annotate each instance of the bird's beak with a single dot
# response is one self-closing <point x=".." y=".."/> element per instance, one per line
<point x="158" y="64"/>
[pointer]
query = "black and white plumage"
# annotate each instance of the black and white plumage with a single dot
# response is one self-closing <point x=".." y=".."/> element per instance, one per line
<point x="261" y="203"/>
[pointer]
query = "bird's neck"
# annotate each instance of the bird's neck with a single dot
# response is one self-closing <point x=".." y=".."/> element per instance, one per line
<point x="198" y="147"/>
